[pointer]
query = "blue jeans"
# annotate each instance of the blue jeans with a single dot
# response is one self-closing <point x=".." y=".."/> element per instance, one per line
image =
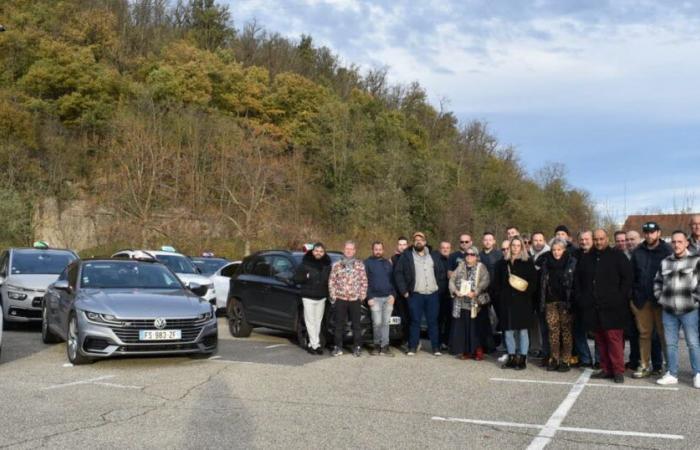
<point x="581" y="342"/>
<point x="523" y="341"/>
<point x="428" y="305"/>
<point x="672" y="324"/>
<point x="381" y="313"/>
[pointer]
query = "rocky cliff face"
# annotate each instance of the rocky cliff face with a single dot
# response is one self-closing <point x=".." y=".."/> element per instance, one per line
<point x="72" y="224"/>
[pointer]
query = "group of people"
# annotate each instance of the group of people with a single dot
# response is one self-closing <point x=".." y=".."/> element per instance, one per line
<point x="556" y="292"/>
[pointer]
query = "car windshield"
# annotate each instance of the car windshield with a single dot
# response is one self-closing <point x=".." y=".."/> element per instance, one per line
<point x="127" y="275"/>
<point x="209" y="265"/>
<point x="177" y="263"/>
<point x="45" y="262"/>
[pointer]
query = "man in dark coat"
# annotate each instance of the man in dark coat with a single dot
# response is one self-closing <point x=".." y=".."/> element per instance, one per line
<point x="400" y="303"/>
<point x="419" y="273"/>
<point x="602" y="286"/>
<point x="646" y="261"/>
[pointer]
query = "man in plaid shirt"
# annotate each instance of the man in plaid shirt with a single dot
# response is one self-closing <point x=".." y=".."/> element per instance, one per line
<point x="677" y="289"/>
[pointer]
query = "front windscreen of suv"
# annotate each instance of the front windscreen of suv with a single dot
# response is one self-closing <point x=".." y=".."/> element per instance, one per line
<point x="39" y="262"/>
<point x="177" y="263"/>
<point x="209" y="265"/>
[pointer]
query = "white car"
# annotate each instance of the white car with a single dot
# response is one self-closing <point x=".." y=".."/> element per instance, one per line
<point x="222" y="281"/>
<point x="25" y="273"/>
<point x="178" y="263"/>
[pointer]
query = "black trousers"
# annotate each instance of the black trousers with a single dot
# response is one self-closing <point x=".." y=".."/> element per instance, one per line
<point x="342" y="307"/>
<point x="445" y="318"/>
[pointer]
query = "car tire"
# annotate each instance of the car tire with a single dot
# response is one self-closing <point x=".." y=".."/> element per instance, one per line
<point x="47" y="336"/>
<point x="238" y="325"/>
<point x="75" y="357"/>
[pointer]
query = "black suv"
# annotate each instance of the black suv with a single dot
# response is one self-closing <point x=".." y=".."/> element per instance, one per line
<point x="263" y="294"/>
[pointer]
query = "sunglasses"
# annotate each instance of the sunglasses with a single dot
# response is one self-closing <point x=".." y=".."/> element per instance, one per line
<point x="471" y="254"/>
<point x="505" y="249"/>
<point x="465" y="242"/>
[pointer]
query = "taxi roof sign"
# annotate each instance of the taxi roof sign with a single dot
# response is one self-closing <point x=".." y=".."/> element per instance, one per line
<point x="40" y="244"/>
<point x="168" y="248"/>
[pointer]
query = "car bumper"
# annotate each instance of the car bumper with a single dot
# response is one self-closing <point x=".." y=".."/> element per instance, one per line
<point x="101" y="341"/>
<point x="27" y="310"/>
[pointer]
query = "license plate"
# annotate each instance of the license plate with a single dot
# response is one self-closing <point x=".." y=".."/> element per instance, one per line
<point x="394" y="320"/>
<point x="160" y="335"/>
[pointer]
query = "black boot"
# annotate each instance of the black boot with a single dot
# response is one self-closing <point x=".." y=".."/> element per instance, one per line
<point x="510" y="362"/>
<point x="520" y="362"/>
<point x="553" y="365"/>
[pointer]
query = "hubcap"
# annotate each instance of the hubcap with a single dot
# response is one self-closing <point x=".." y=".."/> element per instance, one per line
<point x="72" y="339"/>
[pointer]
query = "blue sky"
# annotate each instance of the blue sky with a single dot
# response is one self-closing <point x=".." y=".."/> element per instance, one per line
<point x="609" y="88"/>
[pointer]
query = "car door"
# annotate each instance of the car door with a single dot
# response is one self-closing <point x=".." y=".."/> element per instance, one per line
<point x="252" y="287"/>
<point x="66" y="298"/>
<point x="283" y="299"/>
<point x="52" y="299"/>
<point x="222" y="283"/>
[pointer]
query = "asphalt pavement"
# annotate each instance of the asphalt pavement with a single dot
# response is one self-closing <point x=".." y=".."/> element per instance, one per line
<point x="265" y="392"/>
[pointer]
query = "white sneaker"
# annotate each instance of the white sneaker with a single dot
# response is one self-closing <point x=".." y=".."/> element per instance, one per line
<point x="670" y="379"/>
<point x="696" y="381"/>
<point x="503" y="358"/>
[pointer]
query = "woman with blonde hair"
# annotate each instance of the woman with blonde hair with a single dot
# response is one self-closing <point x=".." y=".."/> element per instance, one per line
<point x="470" y="321"/>
<point x="515" y="284"/>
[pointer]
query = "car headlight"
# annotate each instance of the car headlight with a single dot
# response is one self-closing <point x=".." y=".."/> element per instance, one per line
<point x="106" y="319"/>
<point x="205" y="316"/>
<point x="16" y="295"/>
<point x="18" y="288"/>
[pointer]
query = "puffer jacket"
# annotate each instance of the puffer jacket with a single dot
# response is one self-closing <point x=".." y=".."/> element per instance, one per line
<point x="312" y="275"/>
<point x="569" y="271"/>
<point x="645" y="263"/>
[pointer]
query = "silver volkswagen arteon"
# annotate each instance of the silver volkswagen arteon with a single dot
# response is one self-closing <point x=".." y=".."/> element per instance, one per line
<point x="109" y="307"/>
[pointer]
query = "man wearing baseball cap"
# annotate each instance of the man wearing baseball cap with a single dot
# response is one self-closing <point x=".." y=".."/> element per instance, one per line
<point x="419" y="273"/>
<point x="646" y="261"/>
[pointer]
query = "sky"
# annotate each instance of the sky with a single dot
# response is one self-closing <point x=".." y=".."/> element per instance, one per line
<point x="611" y="89"/>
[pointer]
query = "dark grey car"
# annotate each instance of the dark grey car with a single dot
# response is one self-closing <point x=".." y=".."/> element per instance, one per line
<point x="107" y="307"/>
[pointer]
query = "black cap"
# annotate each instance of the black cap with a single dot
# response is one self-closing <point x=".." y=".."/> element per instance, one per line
<point x="563" y="228"/>
<point x="650" y="227"/>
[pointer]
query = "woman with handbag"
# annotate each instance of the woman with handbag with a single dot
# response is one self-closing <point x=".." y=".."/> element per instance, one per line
<point x="470" y="321"/>
<point x="515" y="284"/>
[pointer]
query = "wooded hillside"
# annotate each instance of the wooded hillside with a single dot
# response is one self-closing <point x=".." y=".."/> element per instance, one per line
<point x="187" y="130"/>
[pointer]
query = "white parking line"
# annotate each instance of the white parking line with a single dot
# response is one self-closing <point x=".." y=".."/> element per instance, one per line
<point x="497" y="423"/>
<point x="96" y="381"/>
<point x="76" y="383"/>
<point x="277" y="346"/>
<point x="550" y="428"/>
<point x="604" y="385"/>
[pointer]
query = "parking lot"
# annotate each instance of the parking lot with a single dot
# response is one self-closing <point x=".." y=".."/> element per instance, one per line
<point x="264" y="392"/>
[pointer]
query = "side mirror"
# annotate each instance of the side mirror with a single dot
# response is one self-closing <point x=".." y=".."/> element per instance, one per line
<point x="62" y="285"/>
<point x="197" y="289"/>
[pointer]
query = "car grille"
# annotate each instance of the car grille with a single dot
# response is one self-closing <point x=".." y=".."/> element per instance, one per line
<point x="130" y="332"/>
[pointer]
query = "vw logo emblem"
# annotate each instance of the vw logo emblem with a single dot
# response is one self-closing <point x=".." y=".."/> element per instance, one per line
<point x="160" y="323"/>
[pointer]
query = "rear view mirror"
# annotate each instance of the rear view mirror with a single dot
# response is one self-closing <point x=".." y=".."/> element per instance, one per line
<point x="197" y="289"/>
<point x="62" y="285"/>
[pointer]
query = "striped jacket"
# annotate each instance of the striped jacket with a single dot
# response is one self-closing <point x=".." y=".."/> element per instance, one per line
<point x="677" y="283"/>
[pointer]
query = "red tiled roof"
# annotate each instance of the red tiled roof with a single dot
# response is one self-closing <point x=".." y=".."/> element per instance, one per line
<point x="667" y="222"/>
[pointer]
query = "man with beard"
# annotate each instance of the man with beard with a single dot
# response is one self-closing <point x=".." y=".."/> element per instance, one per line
<point x="581" y="348"/>
<point x="380" y="297"/>
<point x="603" y="280"/>
<point x="419" y="273"/>
<point x="489" y="257"/>
<point x="620" y="240"/>
<point x="400" y="303"/>
<point x="646" y="261"/>
<point x="539" y="336"/>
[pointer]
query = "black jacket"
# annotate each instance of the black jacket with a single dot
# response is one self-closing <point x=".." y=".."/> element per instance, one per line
<point x="645" y="263"/>
<point x="602" y="284"/>
<point x="312" y="275"/>
<point x="405" y="272"/>
<point x="514" y="307"/>
<point x="568" y="282"/>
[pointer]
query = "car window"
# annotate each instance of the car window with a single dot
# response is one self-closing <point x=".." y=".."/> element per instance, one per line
<point x="229" y="270"/>
<point x="32" y="261"/>
<point x="248" y="265"/>
<point x="261" y="268"/>
<point x="208" y="265"/>
<point x="64" y="275"/>
<point x="177" y="263"/>
<point x="279" y="264"/>
<point x="127" y="275"/>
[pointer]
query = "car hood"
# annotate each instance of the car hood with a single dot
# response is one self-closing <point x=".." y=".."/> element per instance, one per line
<point x="193" y="277"/>
<point x="38" y="282"/>
<point x="142" y="303"/>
